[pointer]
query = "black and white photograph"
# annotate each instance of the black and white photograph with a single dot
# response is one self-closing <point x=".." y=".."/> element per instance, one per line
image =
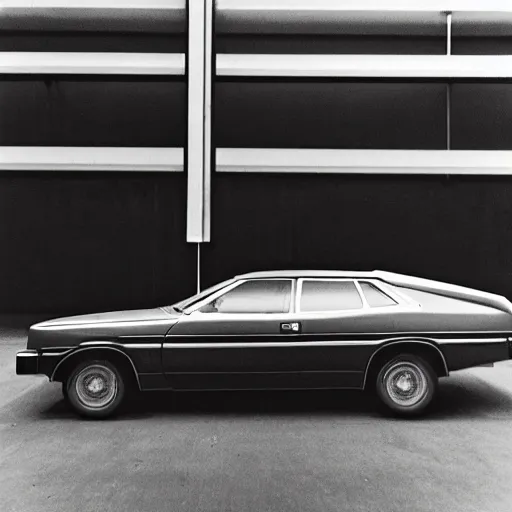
<point x="255" y="255"/>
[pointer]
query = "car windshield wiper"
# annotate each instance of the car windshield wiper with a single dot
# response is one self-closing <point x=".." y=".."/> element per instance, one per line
<point x="177" y="308"/>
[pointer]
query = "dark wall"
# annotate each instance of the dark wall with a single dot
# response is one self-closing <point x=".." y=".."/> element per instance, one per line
<point x="92" y="111"/>
<point x="313" y="32"/>
<point x="467" y="45"/>
<point x="329" y="44"/>
<point x="29" y="41"/>
<point x="456" y="229"/>
<point x="72" y="243"/>
<point x="333" y="114"/>
<point x="81" y="242"/>
<point x="33" y="29"/>
<point x="481" y="116"/>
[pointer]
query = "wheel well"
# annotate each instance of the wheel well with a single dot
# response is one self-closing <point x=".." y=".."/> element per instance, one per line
<point x="121" y="360"/>
<point x="425" y="350"/>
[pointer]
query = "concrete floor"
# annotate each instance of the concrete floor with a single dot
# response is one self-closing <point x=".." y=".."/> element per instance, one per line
<point x="242" y="452"/>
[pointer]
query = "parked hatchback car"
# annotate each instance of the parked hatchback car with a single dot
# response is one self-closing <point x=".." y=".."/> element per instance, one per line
<point x="279" y="330"/>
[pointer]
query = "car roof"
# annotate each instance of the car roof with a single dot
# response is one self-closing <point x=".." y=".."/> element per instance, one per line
<point x="306" y="273"/>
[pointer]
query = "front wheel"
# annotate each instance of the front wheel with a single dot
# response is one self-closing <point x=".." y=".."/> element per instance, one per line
<point x="95" y="389"/>
<point x="406" y="385"/>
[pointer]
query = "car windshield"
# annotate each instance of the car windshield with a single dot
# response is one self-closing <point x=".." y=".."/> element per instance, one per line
<point x="180" y="306"/>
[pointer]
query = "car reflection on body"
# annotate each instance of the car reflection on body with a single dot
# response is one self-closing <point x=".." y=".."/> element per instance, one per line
<point x="376" y="330"/>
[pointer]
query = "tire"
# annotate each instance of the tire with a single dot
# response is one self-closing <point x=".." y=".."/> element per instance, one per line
<point x="95" y="389"/>
<point x="406" y="385"/>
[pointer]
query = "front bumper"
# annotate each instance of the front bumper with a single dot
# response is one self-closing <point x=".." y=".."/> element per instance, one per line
<point x="27" y="362"/>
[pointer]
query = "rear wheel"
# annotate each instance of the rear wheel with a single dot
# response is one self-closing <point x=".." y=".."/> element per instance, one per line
<point x="95" y="388"/>
<point x="406" y="385"/>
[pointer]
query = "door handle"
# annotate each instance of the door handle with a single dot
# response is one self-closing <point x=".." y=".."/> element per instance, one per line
<point x="291" y="328"/>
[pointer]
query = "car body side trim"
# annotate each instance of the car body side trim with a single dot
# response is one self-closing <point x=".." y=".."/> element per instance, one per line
<point x="139" y="336"/>
<point x="95" y="343"/>
<point x="321" y="343"/>
<point x="270" y="372"/>
<point x="123" y="345"/>
<point x="83" y="349"/>
<point x="471" y="340"/>
<point x="152" y="346"/>
<point x="121" y="323"/>
<point x="49" y="351"/>
<point x="257" y="344"/>
<point x="429" y="334"/>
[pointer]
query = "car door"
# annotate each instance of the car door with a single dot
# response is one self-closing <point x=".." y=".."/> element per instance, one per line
<point x="332" y="347"/>
<point x="235" y="339"/>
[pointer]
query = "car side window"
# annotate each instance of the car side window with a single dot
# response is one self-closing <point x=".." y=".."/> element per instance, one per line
<point x="329" y="296"/>
<point x="375" y="297"/>
<point x="255" y="296"/>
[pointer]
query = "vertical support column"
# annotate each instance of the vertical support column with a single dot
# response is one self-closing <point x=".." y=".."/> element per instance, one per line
<point x="199" y="69"/>
<point x="199" y="119"/>
<point x="448" y="87"/>
<point x="207" y="153"/>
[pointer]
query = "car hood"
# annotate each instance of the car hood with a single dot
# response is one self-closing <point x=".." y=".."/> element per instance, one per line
<point x="136" y="315"/>
<point x="143" y="324"/>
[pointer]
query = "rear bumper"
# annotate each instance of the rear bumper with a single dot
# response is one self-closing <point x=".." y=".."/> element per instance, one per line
<point x="27" y="362"/>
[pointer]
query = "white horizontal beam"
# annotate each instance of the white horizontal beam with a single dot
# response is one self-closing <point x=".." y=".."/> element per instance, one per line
<point x="374" y="66"/>
<point x="21" y="158"/>
<point x="353" y="161"/>
<point x="92" y="63"/>
<point x="365" y="5"/>
<point x="93" y="4"/>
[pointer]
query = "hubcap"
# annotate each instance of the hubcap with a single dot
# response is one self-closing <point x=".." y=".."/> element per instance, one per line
<point x="406" y="384"/>
<point x="96" y="386"/>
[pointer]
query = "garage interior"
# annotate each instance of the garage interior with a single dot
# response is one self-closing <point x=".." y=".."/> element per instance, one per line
<point x="147" y="153"/>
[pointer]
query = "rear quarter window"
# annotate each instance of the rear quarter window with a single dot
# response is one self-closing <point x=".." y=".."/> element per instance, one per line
<point x="375" y="297"/>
